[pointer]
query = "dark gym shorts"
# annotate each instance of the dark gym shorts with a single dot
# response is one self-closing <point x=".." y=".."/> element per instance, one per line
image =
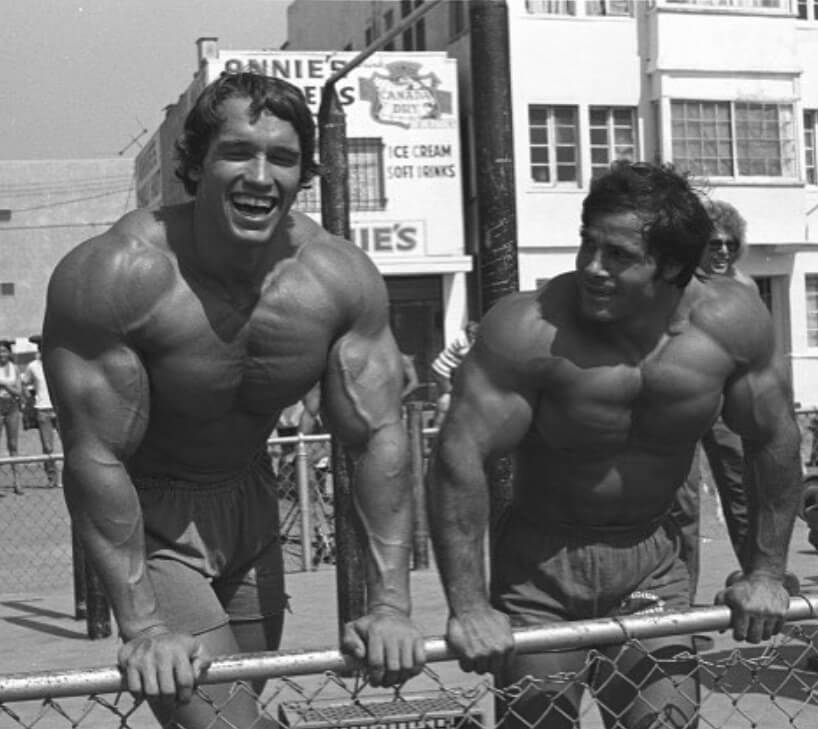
<point x="213" y="550"/>
<point x="553" y="572"/>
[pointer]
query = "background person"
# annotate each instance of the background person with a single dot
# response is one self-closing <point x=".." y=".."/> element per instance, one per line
<point x="33" y="379"/>
<point x="10" y="399"/>
<point x="411" y="382"/>
<point x="445" y="364"/>
<point x="601" y="384"/>
<point x="172" y="342"/>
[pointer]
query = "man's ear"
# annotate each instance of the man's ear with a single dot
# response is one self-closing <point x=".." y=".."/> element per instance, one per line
<point x="195" y="174"/>
<point x="670" y="270"/>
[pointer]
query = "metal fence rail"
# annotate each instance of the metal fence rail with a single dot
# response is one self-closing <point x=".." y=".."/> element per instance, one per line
<point x="744" y="686"/>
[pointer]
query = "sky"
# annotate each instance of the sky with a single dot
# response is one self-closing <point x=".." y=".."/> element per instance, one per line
<point x="82" y="78"/>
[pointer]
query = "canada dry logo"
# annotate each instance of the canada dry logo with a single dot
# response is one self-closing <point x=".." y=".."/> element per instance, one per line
<point x="403" y="97"/>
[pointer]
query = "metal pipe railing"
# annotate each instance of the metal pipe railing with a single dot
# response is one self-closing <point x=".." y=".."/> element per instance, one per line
<point x="280" y="664"/>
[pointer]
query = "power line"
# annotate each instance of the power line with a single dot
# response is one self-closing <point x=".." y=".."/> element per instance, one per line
<point x="72" y="201"/>
<point x="50" y="187"/>
<point x="92" y="224"/>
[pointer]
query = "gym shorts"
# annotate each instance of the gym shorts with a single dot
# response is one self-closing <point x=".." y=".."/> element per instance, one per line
<point x="213" y="549"/>
<point x="543" y="573"/>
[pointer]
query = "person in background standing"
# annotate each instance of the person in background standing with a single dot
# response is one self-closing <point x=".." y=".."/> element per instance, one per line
<point x="10" y="397"/>
<point x="446" y="363"/>
<point x="34" y="381"/>
<point x="410" y="376"/>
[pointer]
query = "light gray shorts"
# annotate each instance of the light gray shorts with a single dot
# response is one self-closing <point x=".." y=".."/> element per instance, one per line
<point x="552" y="573"/>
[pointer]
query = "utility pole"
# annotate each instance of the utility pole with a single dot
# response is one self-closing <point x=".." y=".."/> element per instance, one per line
<point x="494" y="162"/>
<point x="494" y="150"/>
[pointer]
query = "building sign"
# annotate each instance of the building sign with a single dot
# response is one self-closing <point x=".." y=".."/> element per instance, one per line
<point x="406" y="98"/>
<point x="402" y="239"/>
<point x="402" y="139"/>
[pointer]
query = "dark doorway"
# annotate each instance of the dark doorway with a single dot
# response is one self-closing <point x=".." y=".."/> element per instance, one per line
<point x="416" y="317"/>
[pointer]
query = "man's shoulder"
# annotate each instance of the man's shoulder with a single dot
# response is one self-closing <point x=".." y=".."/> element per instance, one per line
<point x="517" y="329"/>
<point x="733" y="314"/>
<point x="138" y="236"/>
<point x="116" y="274"/>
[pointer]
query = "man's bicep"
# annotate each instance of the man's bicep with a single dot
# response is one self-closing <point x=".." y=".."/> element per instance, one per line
<point x="757" y="399"/>
<point x="491" y="412"/>
<point x="101" y="399"/>
<point x="362" y="386"/>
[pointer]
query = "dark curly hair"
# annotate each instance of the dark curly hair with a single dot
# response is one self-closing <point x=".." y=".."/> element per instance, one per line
<point x="676" y="225"/>
<point x="727" y="218"/>
<point x="266" y="93"/>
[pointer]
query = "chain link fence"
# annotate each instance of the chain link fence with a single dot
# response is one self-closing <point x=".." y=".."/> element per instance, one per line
<point x="769" y="686"/>
<point x="36" y="551"/>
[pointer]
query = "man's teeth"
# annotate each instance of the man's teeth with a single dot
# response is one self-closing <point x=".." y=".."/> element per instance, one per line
<point x="250" y="204"/>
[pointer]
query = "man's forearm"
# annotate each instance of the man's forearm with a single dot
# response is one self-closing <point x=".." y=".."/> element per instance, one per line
<point x="773" y="482"/>
<point x="383" y="502"/>
<point x="108" y="519"/>
<point x="458" y="518"/>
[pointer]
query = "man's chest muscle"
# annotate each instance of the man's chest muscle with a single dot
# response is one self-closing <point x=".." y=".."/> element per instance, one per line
<point x="665" y="398"/>
<point x="216" y="361"/>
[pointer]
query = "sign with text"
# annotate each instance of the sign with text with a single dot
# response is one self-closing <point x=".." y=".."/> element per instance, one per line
<point x="403" y="141"/>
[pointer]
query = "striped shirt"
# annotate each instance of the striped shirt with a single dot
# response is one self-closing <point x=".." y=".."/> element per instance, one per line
<point x="448" y="360"/>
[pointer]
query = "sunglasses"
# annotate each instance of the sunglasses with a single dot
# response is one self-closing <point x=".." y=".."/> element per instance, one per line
<point x="718" y="243"/>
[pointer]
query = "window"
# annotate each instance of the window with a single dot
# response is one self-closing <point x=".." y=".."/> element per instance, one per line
<point x="553" y="143"/>
<point x="812" y="309"/>
<point x="420" y="30"/>
<point x="596" y="8"/>
<point x="366" y="189"/>
<point x="608" y="7"/>
<point x="388" y="22"/>
<point x="613" y="136"/>
<point x="552" y="7"/>
<point x="810" y="171"/>
<point x="406" y="36"/>
<point x="366" y="178"/>
<point x="5" y="215"/>
<point x="765" y="140"/>
<point x="414" y="37"/>
<point x="457" y="17"/>
<point x="808" y="9"/>
<point x="6" y="289"/>
<point x="733" y="139"/>
<point x="737" y="4"/>
<point x="765" y="290"/>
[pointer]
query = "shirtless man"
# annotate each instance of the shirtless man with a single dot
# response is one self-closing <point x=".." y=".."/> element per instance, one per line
<point x="600" y="384"/>
<point x="172" y="343"/>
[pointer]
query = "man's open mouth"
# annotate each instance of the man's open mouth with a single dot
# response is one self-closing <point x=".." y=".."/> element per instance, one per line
<point x="253" y="206"/>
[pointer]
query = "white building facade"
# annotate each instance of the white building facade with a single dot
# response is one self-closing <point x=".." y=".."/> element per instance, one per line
<point x="726" y="89"/>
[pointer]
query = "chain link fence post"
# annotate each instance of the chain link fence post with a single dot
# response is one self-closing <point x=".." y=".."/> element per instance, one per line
<point x="78" y="568"/>
<point x="302" y="481"/>
<point x="420" y="530"/>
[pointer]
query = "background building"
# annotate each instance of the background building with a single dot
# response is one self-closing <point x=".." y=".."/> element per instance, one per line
<point x="404" y="163"/>
<point x="727" y="89"/>
<point x="46" y="208"/>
